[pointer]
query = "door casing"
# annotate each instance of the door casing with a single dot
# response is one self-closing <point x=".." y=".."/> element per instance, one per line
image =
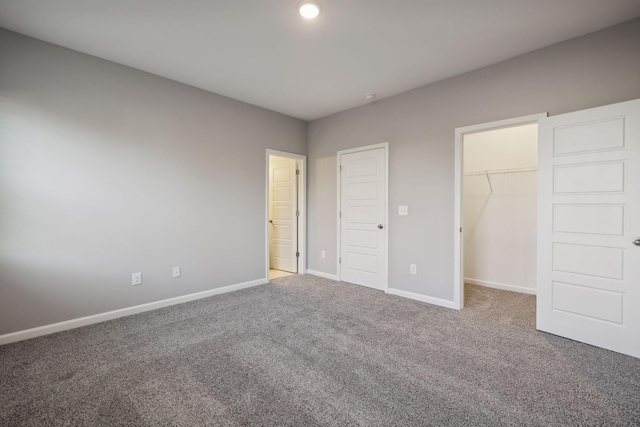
<point x="302" y="207"/>
<point x="458" y="231"/>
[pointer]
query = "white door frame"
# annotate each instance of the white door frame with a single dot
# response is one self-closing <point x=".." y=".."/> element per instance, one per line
<point x="384" y="145"/>
<point x="458" y="231"/>
<point x="302" y="207"/>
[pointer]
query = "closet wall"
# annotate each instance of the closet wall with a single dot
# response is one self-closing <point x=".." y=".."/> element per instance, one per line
<point x="500" y="197"/>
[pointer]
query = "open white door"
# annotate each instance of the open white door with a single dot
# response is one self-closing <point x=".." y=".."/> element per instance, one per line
<point x="588" y="220"/>
<point x="363" y="216"/>
<point x="283" y="218"/>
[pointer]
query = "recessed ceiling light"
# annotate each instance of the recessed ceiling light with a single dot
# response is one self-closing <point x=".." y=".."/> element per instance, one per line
<point x="309" y="9"/>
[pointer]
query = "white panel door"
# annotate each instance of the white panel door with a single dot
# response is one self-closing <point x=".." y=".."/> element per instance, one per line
<point x="363" y="251"/>
<point x="283" y="227"/>
<point x="589" y="217"/>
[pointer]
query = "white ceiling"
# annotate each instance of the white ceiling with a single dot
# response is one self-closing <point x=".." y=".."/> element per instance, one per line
<point x="262" y="52"/>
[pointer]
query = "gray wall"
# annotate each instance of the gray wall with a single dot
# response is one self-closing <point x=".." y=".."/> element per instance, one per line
<point x="106" y="171"/>
<point x="593" y="70"/>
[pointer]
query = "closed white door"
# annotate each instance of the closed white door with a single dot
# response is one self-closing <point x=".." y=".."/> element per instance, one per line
<point x="283" y="220"/>
<point x="363" y="192"/>
<point x="589" y="218"/>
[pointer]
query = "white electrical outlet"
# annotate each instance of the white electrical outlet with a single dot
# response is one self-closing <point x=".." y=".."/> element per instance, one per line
<point x="176" y="271"/>
<point x="136" y="279"/>
<point x="403" y="210"/>
<point x="413" y="269"/>
<point x="323" y="254"/>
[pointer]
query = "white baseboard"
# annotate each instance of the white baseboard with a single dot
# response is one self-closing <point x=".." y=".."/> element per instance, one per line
<point x="321" y="274"/>
<point x="501" y="286"/>
<point x="422" y="298"/>
<point x="109" y="315"/>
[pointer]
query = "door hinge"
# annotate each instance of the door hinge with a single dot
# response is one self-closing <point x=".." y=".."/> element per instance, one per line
<point x="339" y="260"/>
<point x="461" y="229"/>
<point x="297" y="213"/>
<point x="297" y="171"/>
<point x="340" y="168"/>
<point x="340" y="214"/>
<point x="297" y="254"/>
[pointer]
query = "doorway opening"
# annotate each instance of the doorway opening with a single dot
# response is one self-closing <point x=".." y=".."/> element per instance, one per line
<point x="496" y="206"/>
<point x="285" y="214"/>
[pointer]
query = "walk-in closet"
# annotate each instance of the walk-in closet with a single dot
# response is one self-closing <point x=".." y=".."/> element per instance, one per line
<point x="499" y="208"/>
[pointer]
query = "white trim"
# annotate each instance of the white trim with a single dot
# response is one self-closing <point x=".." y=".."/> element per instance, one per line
<point x="123" y="312"/>
<point x="384" y="145"/>
<point x="302" y="207"/>
<point x="421" y="298"/>
<point x="323" y="275"/>
<point x="501" y="286"/>
<point x="458" y="249"/>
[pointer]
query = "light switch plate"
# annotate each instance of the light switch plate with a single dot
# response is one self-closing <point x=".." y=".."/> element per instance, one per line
<point x="403" y="210"/>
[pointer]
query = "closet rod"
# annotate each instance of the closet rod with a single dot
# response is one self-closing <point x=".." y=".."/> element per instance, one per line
<point x="501" y="171"/>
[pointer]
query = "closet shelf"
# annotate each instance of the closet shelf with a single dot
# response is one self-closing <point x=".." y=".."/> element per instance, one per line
<point x="501" y="171"/>
<point x="498" y="172"/>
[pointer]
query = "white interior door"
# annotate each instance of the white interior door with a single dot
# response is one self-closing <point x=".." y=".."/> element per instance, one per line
<point x="589" y="216"/>
<point x="283" y="218"/>
<point x="363" y="192"/>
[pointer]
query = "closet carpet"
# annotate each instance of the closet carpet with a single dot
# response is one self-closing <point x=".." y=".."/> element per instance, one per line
<point x="306" y="351"/>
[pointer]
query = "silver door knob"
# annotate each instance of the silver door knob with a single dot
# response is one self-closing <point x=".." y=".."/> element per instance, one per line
<point x="636" y="241"/>
<point x="380" y="226"/>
